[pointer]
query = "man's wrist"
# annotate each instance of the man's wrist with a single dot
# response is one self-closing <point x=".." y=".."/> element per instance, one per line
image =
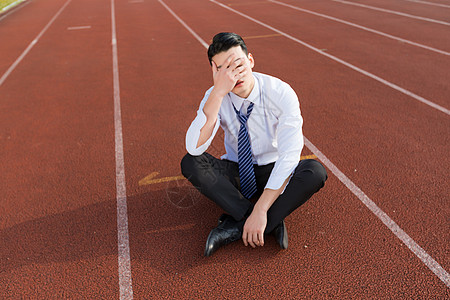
<point x="266" y="200"/>
<point x="218" y="94"/>
<point x="260" y="208"/>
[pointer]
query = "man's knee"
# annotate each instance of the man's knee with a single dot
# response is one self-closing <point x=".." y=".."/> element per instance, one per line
<point x="316" y="171"/>
<point x="190" y="164"/>
<point x="319" y="171"/>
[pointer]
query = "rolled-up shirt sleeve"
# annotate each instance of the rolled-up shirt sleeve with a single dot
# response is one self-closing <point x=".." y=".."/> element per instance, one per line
<point x="193" y="133"/>
<point x="289" y="139"/>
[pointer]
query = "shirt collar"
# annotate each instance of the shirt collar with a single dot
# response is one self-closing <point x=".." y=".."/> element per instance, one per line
<point x="253" y="97"/>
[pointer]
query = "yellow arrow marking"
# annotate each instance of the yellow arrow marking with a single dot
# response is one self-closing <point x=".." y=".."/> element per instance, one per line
<point x="150" y="179"/>
<point x="308" y="157"/>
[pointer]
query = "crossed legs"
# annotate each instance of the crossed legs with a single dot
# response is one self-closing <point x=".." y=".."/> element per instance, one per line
<point x="219" y="181"/>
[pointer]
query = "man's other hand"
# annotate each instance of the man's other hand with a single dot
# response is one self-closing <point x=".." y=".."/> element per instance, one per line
<point x="253" y="233"/>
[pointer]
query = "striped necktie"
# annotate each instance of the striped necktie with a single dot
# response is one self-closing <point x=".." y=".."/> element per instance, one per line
<point x="246" y="172"/>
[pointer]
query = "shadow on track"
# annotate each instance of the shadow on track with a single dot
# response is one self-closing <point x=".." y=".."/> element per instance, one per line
<point x="167" y="227"/>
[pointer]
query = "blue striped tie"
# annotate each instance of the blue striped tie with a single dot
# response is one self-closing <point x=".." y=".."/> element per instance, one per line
<point x="246" y="172"/>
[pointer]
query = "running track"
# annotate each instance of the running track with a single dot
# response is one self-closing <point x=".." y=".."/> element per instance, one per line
<point x="93" y="115"/>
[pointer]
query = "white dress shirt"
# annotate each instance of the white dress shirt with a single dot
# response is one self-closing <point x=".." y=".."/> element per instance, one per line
<point x="274" y="126"/>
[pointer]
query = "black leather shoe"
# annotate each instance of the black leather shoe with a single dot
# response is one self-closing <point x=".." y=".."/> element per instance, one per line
<point x="225" y="233"/>
<point x="281" y="235"/>
<point x="222" y="218"/>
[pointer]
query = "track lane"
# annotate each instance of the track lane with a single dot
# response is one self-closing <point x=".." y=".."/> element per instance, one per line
<point x="361" y="27"/>
<point x="408" y="10"/>
<point x="430" y="34"/>
<point x="32" y="44"/>
<point x="415" y="70"/>
<point x="20" y="28"/>
<point x="430" y="3"/>
<point x="154" y="56"/>
<point x="58" y="230"/>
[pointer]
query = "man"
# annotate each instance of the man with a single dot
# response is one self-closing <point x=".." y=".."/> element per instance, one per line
<point x="261" y="119"/>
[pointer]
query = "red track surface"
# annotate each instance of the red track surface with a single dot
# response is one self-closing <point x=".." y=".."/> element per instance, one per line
<point x="58" y="219"/>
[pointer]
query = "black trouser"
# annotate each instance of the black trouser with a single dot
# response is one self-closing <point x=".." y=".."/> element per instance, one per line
<point x="219" y="181"/>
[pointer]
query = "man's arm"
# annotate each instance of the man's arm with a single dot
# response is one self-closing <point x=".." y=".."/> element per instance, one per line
<point x="290" y="144"/>
<point x="256" y="223"/>
<point x="211" y="110"/>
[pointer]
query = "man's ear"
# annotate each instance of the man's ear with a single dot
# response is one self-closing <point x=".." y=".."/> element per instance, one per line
<point x="252" y="60"/>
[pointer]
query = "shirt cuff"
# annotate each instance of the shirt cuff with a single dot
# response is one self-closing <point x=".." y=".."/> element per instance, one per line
<point x="193" y="134"/>
<point x="281" y="172"/>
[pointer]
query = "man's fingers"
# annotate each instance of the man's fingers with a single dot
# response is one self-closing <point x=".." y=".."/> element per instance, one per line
<point x="235" y="63"/>
<point x="214" y="67"/>
<point x="244" y="238"/>
<point x="238" y="73"/>
<point x="239" y="70"/>
<point x="261" y="239"/>
<point x="239" y="76"/>
<point x="256" y="239"/>
<point x="251" y="241"/>
<point x="228" y="61"/>
<point x="249" y="238"/>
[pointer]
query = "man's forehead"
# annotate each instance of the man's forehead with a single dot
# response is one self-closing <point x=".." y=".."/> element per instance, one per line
<point x="221" y="57"/>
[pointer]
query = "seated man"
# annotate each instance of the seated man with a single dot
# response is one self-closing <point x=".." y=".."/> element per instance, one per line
<point x="261" y="119"/>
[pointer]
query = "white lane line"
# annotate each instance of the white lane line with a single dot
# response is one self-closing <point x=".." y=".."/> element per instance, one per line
<point x="432" y="264"/>
<point x="31" y="45"/>
<point x="361" y="27"/>
<point x="379" y="79"/>
<point x="394" y="12"/>
<point x="408" y="241"/>
<point x="429" y="3"/>
<point x="78" y="27"/>
<point x="185" y="25"/>
<point x="14" y="9"/>
<point x="123" y="241"/>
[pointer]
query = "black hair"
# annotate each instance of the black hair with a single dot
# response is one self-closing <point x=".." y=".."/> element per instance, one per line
<point x="223" y="42"/>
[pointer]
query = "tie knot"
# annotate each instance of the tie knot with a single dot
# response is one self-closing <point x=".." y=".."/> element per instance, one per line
<point x="244" y="117"/>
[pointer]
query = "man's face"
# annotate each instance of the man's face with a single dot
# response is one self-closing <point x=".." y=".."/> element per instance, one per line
<point x="245" y="85"/>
